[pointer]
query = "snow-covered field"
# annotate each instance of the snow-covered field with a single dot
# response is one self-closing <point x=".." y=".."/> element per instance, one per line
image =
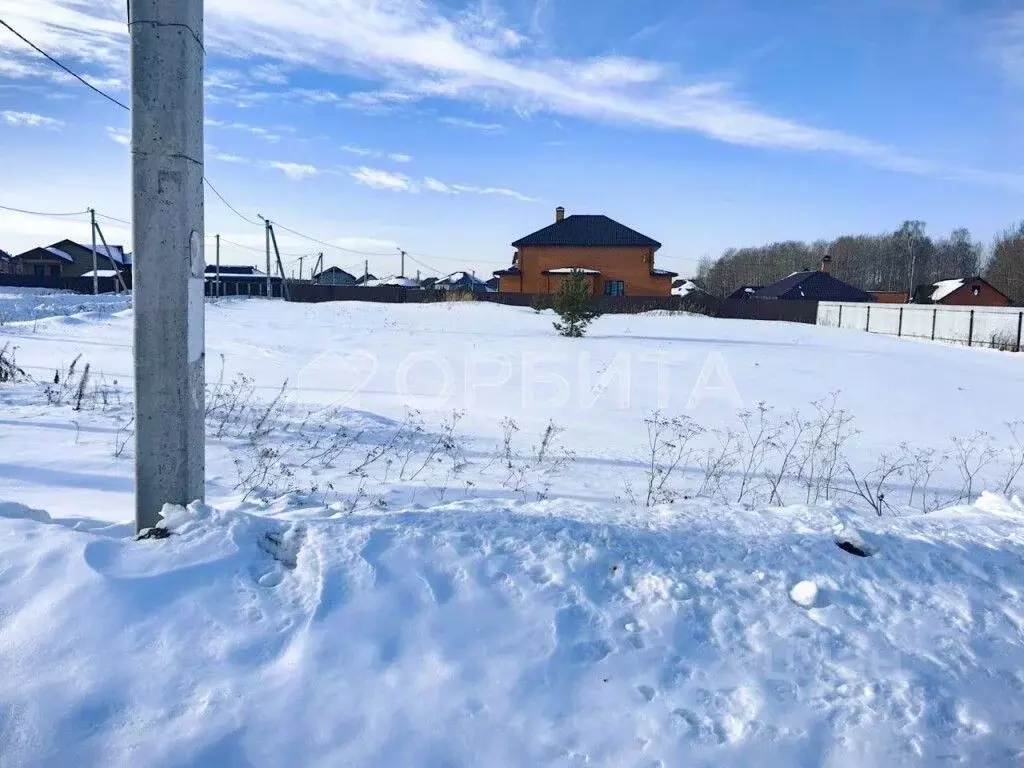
<point x="443" y="543"/>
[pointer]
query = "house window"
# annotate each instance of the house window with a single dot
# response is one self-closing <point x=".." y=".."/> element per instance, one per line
<point x="614" y="288"/>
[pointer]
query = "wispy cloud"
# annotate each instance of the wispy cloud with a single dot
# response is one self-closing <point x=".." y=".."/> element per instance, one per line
<point x="1005" y="45"/>
<point x="119" y="135"/>
<point x="380" y="179"/>
<point x="418" y="48"/>
<point x="227" y="157"/>
<point x="471" y="125"/>
<point x="396" y="157"/>
<point x="30" y="119"/>
<point x="256" y="130"/>
<point x="437" y="186"/>
<point x="398" y="182"/>
<point x="500" y="191"/>
<point x="294" y="171"/>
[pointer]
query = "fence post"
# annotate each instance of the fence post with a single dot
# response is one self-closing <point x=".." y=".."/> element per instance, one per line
<point x="867" y="323"/>
<point x="899" y="330"/>
<point x="840" y="316"/>
<point x="935" y="315"/>
<point x="970" y="331"/>
<point x="1020" y="327"/>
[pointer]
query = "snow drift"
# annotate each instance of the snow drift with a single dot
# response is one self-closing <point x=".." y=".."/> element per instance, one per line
<point x="547" y="633"/>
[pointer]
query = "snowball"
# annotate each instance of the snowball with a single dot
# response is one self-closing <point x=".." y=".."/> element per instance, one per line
<point x="804" y="594"/>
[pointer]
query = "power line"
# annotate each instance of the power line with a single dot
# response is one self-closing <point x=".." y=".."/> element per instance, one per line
<point x="232" y="208"/>
<point x="40" y="213"/>
<point x="75" y="75"/>
<point x="326" y="244"/>
<point x="113" y="218"/>
<point x="208" y="183"/>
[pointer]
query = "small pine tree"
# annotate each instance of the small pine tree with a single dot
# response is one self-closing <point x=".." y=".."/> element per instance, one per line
<point x="573" y="306"/>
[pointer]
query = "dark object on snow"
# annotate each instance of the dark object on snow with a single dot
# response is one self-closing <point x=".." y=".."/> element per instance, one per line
<point x="848" y="546"/>
<point x="153" y="533"/>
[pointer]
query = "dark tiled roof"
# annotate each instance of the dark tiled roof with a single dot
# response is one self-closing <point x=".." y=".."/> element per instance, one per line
<point x="663" y="273"/>
<point x="744" y="291"/>
<point x="334" y="271"/>
<point x="586" y="231"/>
<point x="819" y="286"/>
<point x="509" y="271"/>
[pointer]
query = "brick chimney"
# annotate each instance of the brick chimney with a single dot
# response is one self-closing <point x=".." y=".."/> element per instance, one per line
<point x="559" y="213"/>
<point x="826" y="263"/>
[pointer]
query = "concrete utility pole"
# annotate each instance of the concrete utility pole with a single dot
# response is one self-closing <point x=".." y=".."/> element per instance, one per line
<point x="402" y="273"/>
<point x="216" y="284"/>
<point x="167" y="215"/>
<point x="300" y="266"/>
<point x="95" y="277"/>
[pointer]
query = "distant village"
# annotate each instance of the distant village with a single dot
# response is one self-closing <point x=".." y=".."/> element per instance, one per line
<point x="615" y="261"/>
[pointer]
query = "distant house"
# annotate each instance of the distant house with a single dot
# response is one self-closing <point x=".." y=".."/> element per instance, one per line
<point x="364" y="279"/>
<point x="687" y="288"/>
<point x="817" y="285"/>
<point x="744" y="292"/>
<point x="614" y="259"/>
<point x="890" y="297"/>
<point x="241" y="280"/>
<point x="428" y="282"/>
<point x="6" y="262"/>
<point x="334" y="276"/>
<point x="962" y="291"/>
<point x="70" y="259"/>
<point x="461" y="281"/>
<point x="492" y="284"/>
<point x="399" y="280"/>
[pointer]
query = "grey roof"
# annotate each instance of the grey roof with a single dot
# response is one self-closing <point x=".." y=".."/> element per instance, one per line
<point x="587" y="231"/>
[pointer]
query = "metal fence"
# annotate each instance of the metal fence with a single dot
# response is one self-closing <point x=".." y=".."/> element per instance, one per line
<point x="792" y="311"/>
<point x="994" y="327"/>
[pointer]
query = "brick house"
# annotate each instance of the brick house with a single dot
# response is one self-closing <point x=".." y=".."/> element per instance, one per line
<point x="614" y="259"/>
<point x="962" y="292"/>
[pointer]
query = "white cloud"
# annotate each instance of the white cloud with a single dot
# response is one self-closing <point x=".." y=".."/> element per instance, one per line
<point x="434" y="185"/>
<point x="258" y="131"/>
<point x="616" y="70"/>
<point x="30" y="119"/>
<point x="417" y="48"/>
<point x="270" y="74"/>
<point x="380" y="179"/>
<point x="119" y="135"/>
<point x="361" y="151"/>
<point x="227" y="157"/>
<point x="471" y="125"/>
<point x="437" y="186"/>
<point x="500" y="191"/>
<point x="396" y="157"/>
<point x="294" y="171"/>
<point x="1005" y="46"/>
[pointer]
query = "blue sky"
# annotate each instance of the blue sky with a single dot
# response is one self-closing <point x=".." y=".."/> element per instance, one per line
<point x="450" y="129"/>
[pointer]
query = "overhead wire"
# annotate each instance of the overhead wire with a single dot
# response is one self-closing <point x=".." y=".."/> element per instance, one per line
<point x="42" y="213"/>
<point x="74" y="74"/>
<point x="206" y="180"/>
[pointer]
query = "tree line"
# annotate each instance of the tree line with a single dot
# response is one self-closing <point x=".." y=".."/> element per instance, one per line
<point x="892" y="261"/>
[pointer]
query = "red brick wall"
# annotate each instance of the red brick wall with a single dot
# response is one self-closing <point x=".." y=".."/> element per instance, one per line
<point x="987" y="296"/>
<point x="631" y="265"/>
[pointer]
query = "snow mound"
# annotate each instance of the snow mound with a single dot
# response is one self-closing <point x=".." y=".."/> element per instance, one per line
<point x="804" y="594"/>
<point x="520" y="635"/>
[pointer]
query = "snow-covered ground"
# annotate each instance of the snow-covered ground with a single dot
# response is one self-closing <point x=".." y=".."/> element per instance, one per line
<point x="444" y="544"/>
